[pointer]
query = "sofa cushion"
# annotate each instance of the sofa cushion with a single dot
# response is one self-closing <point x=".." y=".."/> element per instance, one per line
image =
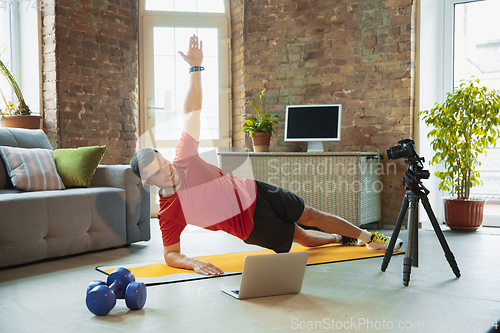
<point x="24" y="138"/>
<point x="31" y="169"/>
<point x="77" y="166"/>
<point x="10" y="191"/>
<point x="47" y="224"/>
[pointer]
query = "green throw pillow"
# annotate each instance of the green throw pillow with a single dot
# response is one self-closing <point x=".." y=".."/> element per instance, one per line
<point x="77" y="166"/>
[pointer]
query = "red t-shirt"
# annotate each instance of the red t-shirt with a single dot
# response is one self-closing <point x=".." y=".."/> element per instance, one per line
<point x="207" y="197"/>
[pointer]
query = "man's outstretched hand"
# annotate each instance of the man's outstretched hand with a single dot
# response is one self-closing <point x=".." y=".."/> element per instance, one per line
<point x="206" y="268"/>
<point x="194" y="56"/>
<point x="174" y="258"/>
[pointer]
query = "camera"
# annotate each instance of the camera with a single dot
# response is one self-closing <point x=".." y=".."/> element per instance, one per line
<point x="406" y="149"/>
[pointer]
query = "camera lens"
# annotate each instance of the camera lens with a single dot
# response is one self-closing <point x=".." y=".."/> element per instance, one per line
<point x="394" y="153"/>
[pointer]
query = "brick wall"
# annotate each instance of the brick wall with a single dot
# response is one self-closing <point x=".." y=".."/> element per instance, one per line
<point x="49" y="74"/>
<point x="237" y="68"/>
<point x="90" y="87"/>
<point x="356" y="53"/>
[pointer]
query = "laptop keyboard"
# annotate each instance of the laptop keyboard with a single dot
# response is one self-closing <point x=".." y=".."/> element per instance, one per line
<point x="237" y="292"/>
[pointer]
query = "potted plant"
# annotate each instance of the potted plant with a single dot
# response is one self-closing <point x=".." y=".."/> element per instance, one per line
<point x="20" y="115"/>
<point x="259" y="128"/>
<point x="464" y="125"/>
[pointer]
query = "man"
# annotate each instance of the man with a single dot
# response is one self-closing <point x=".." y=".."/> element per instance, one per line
<point x="195" y="192"/>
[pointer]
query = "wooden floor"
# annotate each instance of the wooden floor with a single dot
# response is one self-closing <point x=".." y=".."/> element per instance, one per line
<point x="356" y="296"/>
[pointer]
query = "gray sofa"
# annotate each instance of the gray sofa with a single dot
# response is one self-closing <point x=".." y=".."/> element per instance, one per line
<point x="113" y="211"/>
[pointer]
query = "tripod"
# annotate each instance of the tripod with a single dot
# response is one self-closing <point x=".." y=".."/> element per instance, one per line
<point x="415" y="192"/>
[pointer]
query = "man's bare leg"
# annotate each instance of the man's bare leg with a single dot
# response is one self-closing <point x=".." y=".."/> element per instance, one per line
<point x="333" y="226"/>
<point x="312" y="238"/>
<point x="329" y="223"/>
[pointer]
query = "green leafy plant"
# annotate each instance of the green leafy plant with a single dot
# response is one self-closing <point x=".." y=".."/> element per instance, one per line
<point x="261" y="123"/>
<point x="22" y="108"/>
<point x="464" y="125"/>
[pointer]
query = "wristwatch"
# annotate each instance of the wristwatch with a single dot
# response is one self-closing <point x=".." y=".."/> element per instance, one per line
<point x="196" y="69"/>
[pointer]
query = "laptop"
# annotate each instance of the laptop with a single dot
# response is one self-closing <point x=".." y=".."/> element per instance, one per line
<point x="270" y="275"/>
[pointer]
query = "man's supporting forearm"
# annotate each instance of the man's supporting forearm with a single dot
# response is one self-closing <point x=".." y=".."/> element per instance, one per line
<point x="179" y="260"/>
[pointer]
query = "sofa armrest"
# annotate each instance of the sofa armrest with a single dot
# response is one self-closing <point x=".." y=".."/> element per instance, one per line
<point x="138" y="212"/>
<point x="114" y="176"/>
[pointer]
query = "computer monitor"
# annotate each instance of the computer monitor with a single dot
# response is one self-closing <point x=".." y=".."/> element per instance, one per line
<point x="313" y="124"/>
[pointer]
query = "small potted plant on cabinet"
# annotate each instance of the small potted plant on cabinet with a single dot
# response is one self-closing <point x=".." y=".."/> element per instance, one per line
<point x="259" y="128"/>
<point x="20" y="115"/>
<point x="464" y="125"/>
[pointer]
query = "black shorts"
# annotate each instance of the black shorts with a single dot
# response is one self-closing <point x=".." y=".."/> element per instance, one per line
<point x="276" y="212"/>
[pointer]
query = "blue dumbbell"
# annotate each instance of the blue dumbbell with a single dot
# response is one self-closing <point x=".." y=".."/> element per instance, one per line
<point x="101" y="296"/>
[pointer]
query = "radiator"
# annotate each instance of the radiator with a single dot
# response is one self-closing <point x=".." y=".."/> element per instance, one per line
<point x="345" y="184"/>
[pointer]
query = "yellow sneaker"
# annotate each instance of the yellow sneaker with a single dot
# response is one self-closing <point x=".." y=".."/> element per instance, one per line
<point x="380" y="242"/>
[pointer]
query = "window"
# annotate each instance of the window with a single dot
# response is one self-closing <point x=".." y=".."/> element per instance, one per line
<point x="165" y="29"/>
<point x="476" y="41"/>
<point x="20" y="41"/>
<point x="472" y="29"/>
<point x="5" y="51"/>
<point x="200" y="6"/>
<point x="170" y="90"/>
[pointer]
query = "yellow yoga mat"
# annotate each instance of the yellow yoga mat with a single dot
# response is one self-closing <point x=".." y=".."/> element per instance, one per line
<point x="232" y="263"/>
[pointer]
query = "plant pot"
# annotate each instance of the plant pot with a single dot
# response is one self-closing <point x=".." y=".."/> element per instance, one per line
<point x="260" y="141"/>
<point x="28" y="121"/>
<point x="463" y="215"/>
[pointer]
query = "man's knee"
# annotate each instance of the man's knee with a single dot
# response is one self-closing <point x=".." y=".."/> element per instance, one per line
<point x="309" y="215"/>
<point x="300" y="235"/>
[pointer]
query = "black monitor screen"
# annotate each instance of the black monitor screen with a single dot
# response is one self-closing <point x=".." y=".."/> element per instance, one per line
<point x="312" y="122"/>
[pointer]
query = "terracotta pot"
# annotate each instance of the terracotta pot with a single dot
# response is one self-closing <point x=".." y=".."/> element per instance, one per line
<point x="464" y="215"/>
<point x="29" y="122"/>
<point x="260" y="141"/>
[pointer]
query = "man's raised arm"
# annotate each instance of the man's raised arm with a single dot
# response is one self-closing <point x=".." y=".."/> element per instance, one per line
<point x="192" y="104"/>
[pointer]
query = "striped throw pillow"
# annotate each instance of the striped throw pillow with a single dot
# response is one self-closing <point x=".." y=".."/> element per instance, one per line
<point x="31" y="169"/>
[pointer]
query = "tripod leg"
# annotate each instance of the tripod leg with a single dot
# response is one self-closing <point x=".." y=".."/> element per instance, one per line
<point x="448" y="254"/>
<point x="413" y="223"/>
<point x="408" y="261"/>
<point x="395" y="233"/>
